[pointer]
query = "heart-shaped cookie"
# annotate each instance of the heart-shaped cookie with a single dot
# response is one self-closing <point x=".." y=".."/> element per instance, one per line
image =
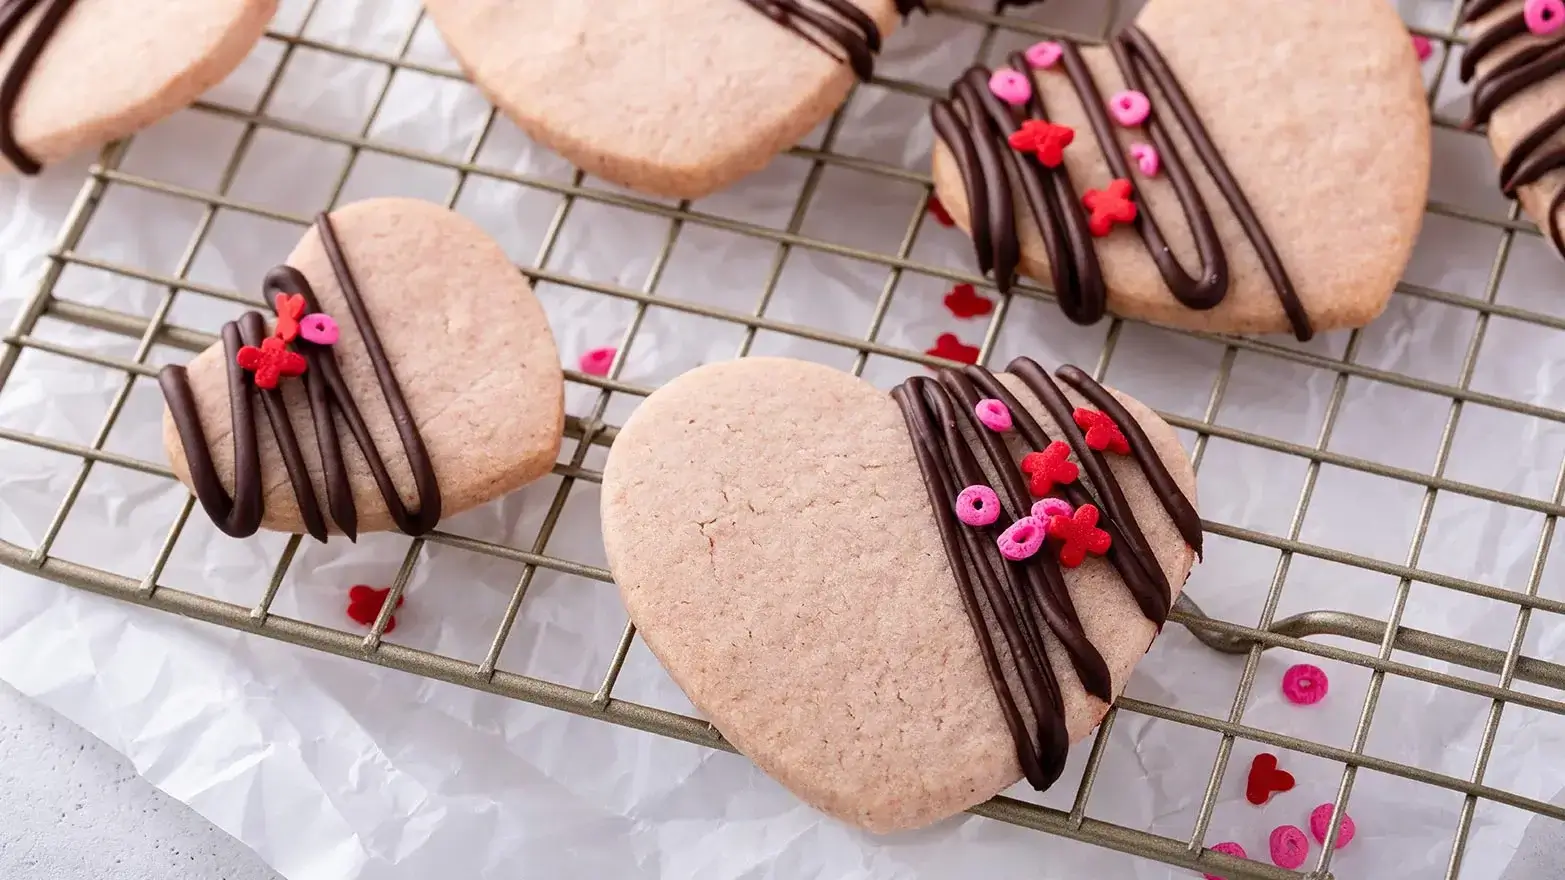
<point x="1515" y="47"/>
<point x="678" y="97"/>
<point x="409" y="374"/>
<point x="79" y="73"/>
<point x="773" y="528"/>
<point x="1242" y="166"/>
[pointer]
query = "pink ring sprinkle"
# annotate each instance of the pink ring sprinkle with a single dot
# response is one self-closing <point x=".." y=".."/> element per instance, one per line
<point x="1130" y="108"/>
<point x="1289" y="846"/>
<point x="319" y="328"/>
<point x="1305" y="685"/>
<point x="1227" y="848"/>
<point x="1147" y="159"/>
<point x="994" y="414"/>
<point x="1320" y="822"/>
<point x="1544" y="16"/>
<point x="1044" y="55"/>
<point x="1010" y="86"/>
<point x="977" y="506"/>
<point x="598" y="361"/>
<point x="1044" y="508"/>
<point x="1022" y="539"/>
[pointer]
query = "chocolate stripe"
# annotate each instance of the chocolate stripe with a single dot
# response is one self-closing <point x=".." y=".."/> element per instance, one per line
<point x="841" y="24"/>
<point x="1006" y="601"/>
<point x="1531" y="157"/>
<point x="972" y="118"/>
<point x="12" y="14"/>
<point x="240" y="515"/>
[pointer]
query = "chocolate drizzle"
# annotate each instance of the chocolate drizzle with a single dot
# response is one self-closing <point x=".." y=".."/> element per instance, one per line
<point x="837" y="27"/>
<point x="1010" y="603"/>
<point x="12" y="14"/>
<point x="975" y="125"/>
<point x="1528" y="160"/>
<point x="239" y="515"/>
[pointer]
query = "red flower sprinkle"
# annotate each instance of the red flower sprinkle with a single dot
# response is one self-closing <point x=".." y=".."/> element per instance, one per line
<point x="949" y="347"/>
<point x="1049" y="468"/>
<point x="1109" y="207"/>
<point x="1102" y="432"/>
<point x="1266" y="779"/>
<point x="964" y="302"/>
<point x="290" y="308"/>
<point x="271" y="361"/>
<point x="939" y="212"/>
<point x="1044" y="139"/>
<point x="1079" y="535"/>
<point x="365" y="602"/>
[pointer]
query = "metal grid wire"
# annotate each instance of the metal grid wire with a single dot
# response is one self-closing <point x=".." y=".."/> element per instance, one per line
<point x="1385" y="636"/>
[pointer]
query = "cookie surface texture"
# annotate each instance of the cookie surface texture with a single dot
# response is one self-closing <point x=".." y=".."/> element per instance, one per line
<point x="465" y="339"/>
<point x="113" y="67"/>
<point x="1318" y="112"/>
<point x="676" y="98"/>
<point x="775" y="545"/>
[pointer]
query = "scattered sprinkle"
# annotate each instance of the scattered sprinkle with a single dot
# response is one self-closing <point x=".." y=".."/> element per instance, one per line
<point x="939" y="212"/>
<point x="1423" y="47"/>
<point x="1320" y="823"/>
<point x="994" y="415"/>
<point x="952" y="349"/>
<point x="598" y="361"/>
<point x="1289" y="846"/>
<point x="1022" y="539"/>
<point x="1048" y="468"/>
<point x="1045" y="140"/>
<point x="1228" y="848"/>
<point x="977" y="506"/>
<point x="1079" y="535"/>
<point x="964" y="302"/>
<point x="1304" y="684"/>
<point x="1266" y="780"/>
<point x="365" y="602"/>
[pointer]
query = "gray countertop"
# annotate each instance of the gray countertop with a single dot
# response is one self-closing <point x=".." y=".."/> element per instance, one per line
<point x="71" y="808"/>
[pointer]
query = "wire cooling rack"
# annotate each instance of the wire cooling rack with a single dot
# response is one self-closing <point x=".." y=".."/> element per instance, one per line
<point x="1380" y="637"/>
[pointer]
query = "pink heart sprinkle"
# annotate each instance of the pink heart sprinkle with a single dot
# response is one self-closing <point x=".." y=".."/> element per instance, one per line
<point x="598" y="361"/>
<point x="1227" y="848"/>
<point x="1289" y="846"/>
<point x="1146" y="158"/>
<point x="1044" y="55"/>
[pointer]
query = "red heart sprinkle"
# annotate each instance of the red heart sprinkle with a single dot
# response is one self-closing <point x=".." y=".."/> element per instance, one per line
<point x="952" y="349"/>
<point x="1266" y="780"/>
<point x="964" y="302"/>
<point x="365" y="602"/>
<point x="939" y="212"/>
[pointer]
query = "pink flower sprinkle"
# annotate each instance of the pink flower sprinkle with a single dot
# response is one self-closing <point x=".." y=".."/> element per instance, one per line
<point x="1130" y="108"/>
<point x="1022" y="539"/>
<point x="598" y="361"/>
<point x="1423" y="47"/>
<point x="994" y="414"/>
<point x="1304" y="684"/>
<point x="977" y="506"/>
<point x="1147" y="159"/>
<point x="1044" y="55"/>
<point x="1047" y="507"/>
<point x="1289" y="846"/>
<point x="1544" y="16"/>
<point x="1010" y="86"/>
<point x="1320" y="823"/>
<point x="1227" y="848"/>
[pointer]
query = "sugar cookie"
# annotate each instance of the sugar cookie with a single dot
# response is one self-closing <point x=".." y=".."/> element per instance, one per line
<point x="81" y="73"/>
<point x="432" y="384"/>
<point x="1281" y="164"/>
<point x="677" y="98"/>
<point x="792" y="544"/>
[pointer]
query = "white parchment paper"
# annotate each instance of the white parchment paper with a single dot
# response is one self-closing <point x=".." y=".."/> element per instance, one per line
<point x="332" y="768"/>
